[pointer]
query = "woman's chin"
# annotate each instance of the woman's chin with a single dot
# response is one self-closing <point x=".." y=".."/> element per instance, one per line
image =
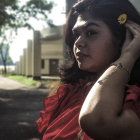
<point x="86" y="69"/>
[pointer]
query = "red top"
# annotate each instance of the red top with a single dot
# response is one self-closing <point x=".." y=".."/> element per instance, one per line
<point x="132" y="100"/>
<point x="59" y="120"/>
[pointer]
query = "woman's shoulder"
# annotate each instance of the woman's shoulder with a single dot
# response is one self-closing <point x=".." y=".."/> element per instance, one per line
<point x="59" y="89"/>
<point x="62" y="88"/>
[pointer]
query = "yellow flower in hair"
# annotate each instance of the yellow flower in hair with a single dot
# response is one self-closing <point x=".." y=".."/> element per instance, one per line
<point x="122" y="18"/>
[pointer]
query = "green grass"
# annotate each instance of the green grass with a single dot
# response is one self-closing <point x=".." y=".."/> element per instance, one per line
<point x="22" y="79"/>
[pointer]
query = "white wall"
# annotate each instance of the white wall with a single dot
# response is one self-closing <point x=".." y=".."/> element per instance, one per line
<point x="136" y="3"/>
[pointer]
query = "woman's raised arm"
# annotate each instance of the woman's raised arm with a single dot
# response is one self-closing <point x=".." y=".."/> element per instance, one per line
<point x="102" y="115"/>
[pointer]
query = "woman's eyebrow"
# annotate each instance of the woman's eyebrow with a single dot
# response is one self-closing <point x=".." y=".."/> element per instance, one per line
<point x="86" y="25"/>
<point x="91" y="24"/>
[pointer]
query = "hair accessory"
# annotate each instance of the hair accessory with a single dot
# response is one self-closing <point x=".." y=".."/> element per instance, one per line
<point x="122" y="18"/>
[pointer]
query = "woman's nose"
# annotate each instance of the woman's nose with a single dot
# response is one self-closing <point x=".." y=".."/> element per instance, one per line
<point x="80" y="42"/>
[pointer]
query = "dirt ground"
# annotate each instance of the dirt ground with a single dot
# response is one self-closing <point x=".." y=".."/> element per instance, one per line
<point x="19" y="109"/>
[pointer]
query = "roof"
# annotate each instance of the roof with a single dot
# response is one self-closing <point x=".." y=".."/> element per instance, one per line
<point x="51" y="33"/>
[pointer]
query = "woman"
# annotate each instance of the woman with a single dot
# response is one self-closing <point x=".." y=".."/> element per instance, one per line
<point x="103" y="39"/>
<point x="108" y="113"/>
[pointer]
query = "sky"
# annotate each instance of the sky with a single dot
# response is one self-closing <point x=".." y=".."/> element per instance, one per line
<point x="20" y="41"/>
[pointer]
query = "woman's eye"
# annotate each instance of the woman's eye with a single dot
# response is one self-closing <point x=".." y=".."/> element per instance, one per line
<point x="90" y="33"/>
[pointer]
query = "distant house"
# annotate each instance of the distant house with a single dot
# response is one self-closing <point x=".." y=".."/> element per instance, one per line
<point x="51" y="49"/>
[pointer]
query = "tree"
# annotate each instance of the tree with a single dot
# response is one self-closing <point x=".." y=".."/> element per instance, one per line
<point x="5" y="39"/>
<point x="14" y="16"/>
<point x="4" y="52"/>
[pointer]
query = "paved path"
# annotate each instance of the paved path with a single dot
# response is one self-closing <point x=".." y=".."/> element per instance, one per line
<point x="6" y="83"/>
<point x="19" y="109"/>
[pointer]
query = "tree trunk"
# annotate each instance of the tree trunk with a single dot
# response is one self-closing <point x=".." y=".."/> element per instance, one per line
<point x="5" y="68"/>
<point x="69" y="4"/>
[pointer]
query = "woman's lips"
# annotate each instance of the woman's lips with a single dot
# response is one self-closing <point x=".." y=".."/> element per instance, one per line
<point x="80" y="56"/>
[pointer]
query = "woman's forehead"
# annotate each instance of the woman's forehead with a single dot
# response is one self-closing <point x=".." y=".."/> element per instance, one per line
<point x="86" y="22"/>
<point x="80" y="22"/>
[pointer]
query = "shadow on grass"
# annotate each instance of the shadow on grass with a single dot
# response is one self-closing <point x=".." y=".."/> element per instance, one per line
<point x="19" y="109"/>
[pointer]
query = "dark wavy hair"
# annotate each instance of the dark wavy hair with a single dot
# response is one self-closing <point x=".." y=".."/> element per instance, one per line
<point x="107" y="11"/>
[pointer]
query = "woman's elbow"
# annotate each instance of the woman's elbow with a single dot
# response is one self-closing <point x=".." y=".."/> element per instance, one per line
<point x="84" y="121"/>
<point x="93" y="125"/>
<point x="89" y="124"/>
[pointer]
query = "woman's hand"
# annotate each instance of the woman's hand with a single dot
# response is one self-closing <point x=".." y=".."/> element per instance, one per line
<point x="132" y="42"/>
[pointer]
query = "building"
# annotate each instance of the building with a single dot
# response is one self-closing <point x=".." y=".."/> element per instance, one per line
<point x="51" y="49"/>
<point x="44" y="54"/>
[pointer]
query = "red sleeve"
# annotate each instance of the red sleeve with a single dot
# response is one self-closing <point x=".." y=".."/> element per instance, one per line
<point x="50" y="106"/>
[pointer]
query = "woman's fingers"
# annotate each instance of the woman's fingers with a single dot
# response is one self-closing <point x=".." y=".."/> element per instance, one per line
<point x="134" y="24"/>
<point x="128" y="38"/>
<point x="132" y="41"/>
<point x="133" y="27"/>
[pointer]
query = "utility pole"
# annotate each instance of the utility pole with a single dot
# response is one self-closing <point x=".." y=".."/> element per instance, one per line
<point x="69" y="4"/>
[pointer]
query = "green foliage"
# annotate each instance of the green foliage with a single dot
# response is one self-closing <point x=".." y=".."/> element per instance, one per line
<point x="15" y="16"/>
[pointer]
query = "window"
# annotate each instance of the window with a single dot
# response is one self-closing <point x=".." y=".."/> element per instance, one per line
<point x="42" y="63"/>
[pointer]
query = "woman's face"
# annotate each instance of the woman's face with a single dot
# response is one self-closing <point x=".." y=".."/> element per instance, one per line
<point x="93" y="47"/>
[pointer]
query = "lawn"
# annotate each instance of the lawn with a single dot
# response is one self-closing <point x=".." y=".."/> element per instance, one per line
<point x="52" y="85"/>
<point x="22" y="79"/>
